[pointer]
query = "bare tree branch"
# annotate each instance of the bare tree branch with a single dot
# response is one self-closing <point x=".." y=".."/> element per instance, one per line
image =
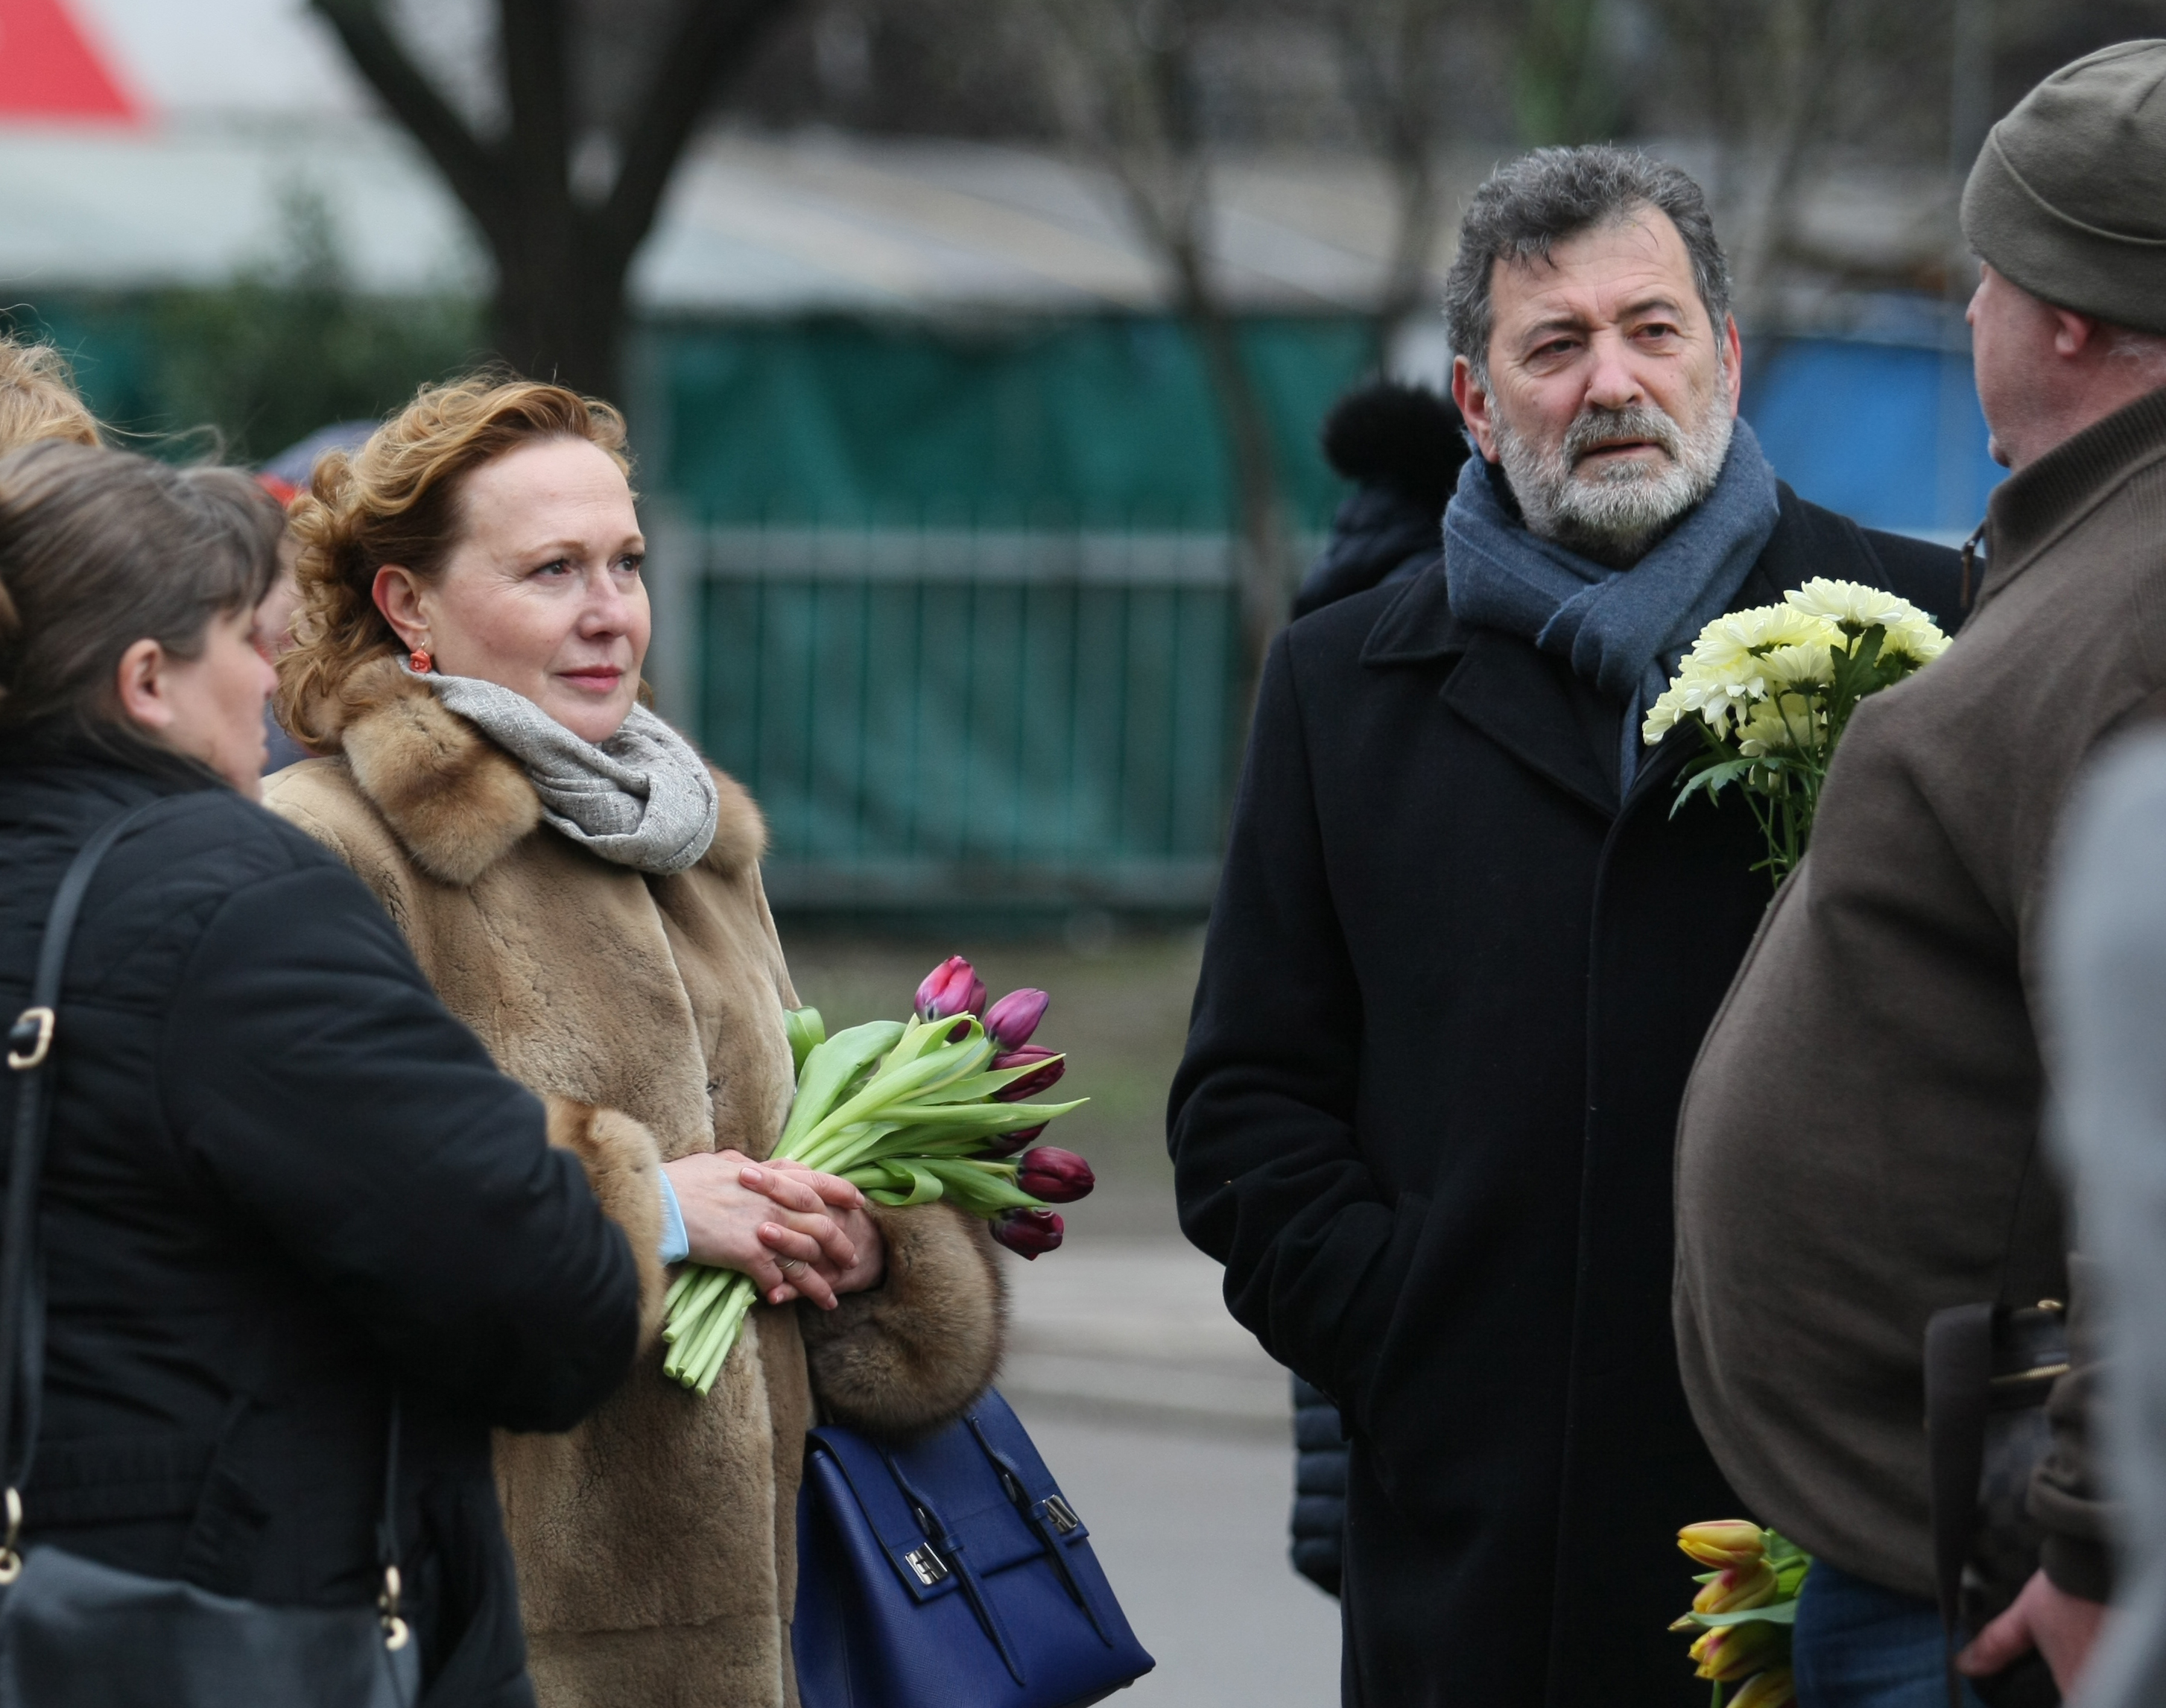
<point x="561" y="265"/>
<point x="707" y="34"/>
<point x="1123" y="79"/>
<point x="1391" y="55"/>
<point x="467" y="166"/>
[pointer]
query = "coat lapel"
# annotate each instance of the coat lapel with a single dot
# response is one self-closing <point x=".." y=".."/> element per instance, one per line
<point x="1499" y="683"/>
<point x="1510" y="692"/>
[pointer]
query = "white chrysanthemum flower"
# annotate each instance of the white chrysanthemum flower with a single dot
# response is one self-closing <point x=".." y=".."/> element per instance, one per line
<point x="1851" y="605"/>
<point x="1917" y="638"/>
<point x="1789" y="723"/>
<point x="1855" y="608"/>
<point x="1664" y="716"/>
<point x="1732" y="645"/>
<point x="1807" y="666"/>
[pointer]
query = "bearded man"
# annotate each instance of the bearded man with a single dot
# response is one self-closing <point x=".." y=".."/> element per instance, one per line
<point x="1462" y="955"/>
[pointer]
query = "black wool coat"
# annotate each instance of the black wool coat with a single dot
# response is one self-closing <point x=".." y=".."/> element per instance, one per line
<point x="280" y="1182"/>
<point x="1451" y="991"/>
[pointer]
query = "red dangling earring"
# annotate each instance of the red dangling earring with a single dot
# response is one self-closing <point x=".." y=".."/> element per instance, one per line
<point x="420" y="662"/>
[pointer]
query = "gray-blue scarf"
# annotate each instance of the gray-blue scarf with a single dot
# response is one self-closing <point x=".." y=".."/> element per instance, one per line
<point x="1623" y="629"/>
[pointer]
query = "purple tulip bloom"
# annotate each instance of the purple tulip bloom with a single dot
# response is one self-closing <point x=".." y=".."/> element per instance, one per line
<point x="952" y="988"/>
<point x="1022" y="1091"/>
<point x="1014" y="1017"/>
<point x="1007" y="1144"/>
<point x="1026" y="1233"/>
<point x="1057" y="1175"/>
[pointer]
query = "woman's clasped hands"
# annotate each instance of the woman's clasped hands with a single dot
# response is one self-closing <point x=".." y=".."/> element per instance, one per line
<point x="795" y="1231"/>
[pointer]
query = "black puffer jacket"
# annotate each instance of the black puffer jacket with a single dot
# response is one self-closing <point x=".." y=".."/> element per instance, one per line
<point x="282" y="1181"/>
<point x="1402" y="448"/>
<point x="1378" y="536"/>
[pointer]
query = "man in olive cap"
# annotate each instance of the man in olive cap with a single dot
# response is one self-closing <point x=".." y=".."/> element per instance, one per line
<point x="1860" y="1143"/>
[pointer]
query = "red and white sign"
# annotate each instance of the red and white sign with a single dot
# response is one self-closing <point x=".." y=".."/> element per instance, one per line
<point x="51" y="69"/>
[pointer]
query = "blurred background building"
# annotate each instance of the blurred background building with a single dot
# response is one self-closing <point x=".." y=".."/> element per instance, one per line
<point x="974" y="349"/>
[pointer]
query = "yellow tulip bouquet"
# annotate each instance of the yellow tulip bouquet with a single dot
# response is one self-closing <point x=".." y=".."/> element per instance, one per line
<point x="1771" y="690"/>
<point x="1745" y="1606"/>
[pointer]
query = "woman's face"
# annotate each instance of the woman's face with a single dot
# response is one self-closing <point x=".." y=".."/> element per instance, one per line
<point x="541" y="593"/>
<point x="209" y="707"/>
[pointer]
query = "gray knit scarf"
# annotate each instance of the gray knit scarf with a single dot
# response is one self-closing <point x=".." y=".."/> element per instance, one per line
<point x="1623" y="629"/>
<point x="642" y="798"/>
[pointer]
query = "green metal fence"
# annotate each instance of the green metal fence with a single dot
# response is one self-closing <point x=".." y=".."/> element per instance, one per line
<point x="942" y="717"/>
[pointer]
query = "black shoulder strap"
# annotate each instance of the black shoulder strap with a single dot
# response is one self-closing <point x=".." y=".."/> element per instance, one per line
<point x="1959" y="1378"/>
<point x="30" y="1042"/>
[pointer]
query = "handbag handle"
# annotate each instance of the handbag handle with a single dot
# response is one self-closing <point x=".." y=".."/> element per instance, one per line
<point x="947" y="1544"/>
<point x="1045" y="1518"/>
<point x="30" y="1042"/>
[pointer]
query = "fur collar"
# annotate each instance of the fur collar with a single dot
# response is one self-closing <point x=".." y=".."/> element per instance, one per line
<point x="457" y="801"/>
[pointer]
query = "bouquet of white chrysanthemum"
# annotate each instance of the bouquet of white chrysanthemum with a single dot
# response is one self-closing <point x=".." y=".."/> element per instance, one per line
<point x="1772" y="689"/>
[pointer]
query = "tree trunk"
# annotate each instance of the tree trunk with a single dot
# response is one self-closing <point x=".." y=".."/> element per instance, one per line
<point x="563" y="324"/>
<point x="560" y="264"/>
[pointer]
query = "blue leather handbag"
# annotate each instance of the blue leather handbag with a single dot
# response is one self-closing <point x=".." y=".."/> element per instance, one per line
<point x="950" y="1573"/>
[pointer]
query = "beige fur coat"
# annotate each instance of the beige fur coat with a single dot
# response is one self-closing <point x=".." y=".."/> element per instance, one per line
<point x="656" y="1543"/>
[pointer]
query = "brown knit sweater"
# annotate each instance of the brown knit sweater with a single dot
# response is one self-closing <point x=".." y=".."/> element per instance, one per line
<point x="1859" y="1145"/>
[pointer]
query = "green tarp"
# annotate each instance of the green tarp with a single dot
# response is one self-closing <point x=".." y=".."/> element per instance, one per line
<point x="1095" y="423"/>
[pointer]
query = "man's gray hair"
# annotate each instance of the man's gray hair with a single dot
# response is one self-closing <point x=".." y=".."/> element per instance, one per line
<point x="1541" y="200"/>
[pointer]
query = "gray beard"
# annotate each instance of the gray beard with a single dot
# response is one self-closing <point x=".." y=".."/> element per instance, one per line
<point x="1615" y="516"/>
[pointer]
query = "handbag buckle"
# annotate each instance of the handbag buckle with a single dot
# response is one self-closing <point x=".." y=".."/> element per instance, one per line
<point x="30" y="1039"/>
<point x="1062" y="1514"/>
<point x="11" y="1563"/>
<point x="930" y="1568"/>
<point x="396" y="1632"/>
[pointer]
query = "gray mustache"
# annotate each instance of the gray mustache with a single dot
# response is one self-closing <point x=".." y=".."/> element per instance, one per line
<point x="1592" y="427"/>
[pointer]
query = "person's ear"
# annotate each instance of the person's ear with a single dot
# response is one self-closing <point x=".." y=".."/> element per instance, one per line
<point x="138" y="683"/>
<point x="1733" y="360"/>
<point x="2073" y="332"/>
<point x="1475" y="408"/>
<point x="397" y="593"/>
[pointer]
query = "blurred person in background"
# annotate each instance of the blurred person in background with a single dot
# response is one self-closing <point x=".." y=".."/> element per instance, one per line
<point x="584" y="891"/>
<point x="285" y="476"/>
<point x="1401" y="445"/>
<point x="39" y="401"/>
<point x="283" y="1185"/>
<point x="2105" y="980"/>
<point x="1889" y="1008"/>
<point x="1462" y="953"/>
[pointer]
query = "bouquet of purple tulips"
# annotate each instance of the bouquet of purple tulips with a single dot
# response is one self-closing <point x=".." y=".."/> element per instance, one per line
<point x="936" y="1107"/>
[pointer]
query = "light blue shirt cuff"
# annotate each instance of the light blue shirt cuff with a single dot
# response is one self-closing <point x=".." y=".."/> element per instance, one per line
<point x="676" y="1245"/>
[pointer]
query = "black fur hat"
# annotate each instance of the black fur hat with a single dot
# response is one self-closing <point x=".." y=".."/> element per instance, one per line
<point x="1403" y="436"/>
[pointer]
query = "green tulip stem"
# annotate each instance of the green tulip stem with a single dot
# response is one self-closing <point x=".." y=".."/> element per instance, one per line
<point x="717" y="1326"/>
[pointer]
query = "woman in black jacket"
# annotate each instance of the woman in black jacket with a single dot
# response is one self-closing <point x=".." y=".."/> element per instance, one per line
<point x="283" y="1186"/>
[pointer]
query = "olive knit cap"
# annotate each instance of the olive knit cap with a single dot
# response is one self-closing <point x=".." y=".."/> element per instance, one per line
<point x="2068" y="198"/>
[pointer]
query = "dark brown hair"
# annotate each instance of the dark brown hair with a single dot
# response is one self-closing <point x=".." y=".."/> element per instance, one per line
<point x="100" y="549"/>
<point x="395" y="500"/>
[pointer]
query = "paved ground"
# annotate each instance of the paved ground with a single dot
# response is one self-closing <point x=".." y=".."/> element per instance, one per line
<point x="1162" y="1420"/>
<point x="1192" y="1532"/>
<point x="1168" y="1428"/>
